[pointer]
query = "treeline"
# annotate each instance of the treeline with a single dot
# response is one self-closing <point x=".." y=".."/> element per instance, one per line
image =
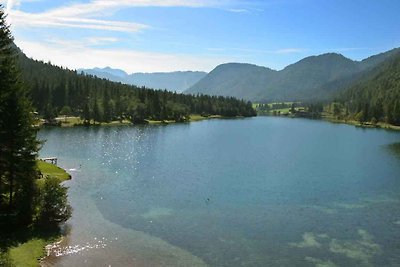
<point x="57" y="91"/>
<point x="23" y="199"/>
<point x="376" y="99"/>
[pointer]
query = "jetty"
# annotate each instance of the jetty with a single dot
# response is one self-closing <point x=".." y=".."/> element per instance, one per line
<point x="52" y="160"/>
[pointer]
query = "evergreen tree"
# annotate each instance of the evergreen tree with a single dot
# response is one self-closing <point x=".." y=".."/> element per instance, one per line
<point x="54" y="207"/>
<point x="18" y="143"/>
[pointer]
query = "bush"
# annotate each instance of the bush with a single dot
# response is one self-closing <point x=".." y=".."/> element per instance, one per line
<point x="5" y="259"/>
<point x="53" y="203"/>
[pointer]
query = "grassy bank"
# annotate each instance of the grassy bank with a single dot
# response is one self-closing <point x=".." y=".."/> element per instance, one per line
<point x="25" y="247"/>
<point x="48" y="169"/>
<point x="278" y="108"/>
<point x="192" y="118"/>
<point x="382" y="125"/>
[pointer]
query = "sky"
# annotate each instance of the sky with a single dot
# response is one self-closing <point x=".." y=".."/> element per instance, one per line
<point x="173" y="35"/>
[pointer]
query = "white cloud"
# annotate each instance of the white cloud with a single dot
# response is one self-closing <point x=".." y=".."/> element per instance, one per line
<point x="288" y="50"/>
<point x="45" y="20"/>
<point x="74" y="55"/>
<point x="97" y="7"/>
<point x="97" y="15"/>
<point x="259" y="51"/>
<point x="238" y="10"/>
<point x="76" y="44"/>
<point x="82" y="15"/>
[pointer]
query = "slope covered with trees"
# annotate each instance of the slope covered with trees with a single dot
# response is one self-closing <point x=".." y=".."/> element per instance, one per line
<point x="376" y="98"/>
<point x="56" y="91"/>
<point x="313" y="78"/>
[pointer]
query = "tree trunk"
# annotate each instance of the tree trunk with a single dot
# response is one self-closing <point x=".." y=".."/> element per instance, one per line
<point x="10" y="202"/>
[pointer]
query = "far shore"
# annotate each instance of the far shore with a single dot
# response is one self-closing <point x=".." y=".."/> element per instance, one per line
<point x="76" y="121"/>
<point x="330" y="118"/>
<point x="378" y="125"/>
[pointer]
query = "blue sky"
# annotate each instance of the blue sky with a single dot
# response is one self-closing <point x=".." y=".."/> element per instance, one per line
<point x="169" y="35"/>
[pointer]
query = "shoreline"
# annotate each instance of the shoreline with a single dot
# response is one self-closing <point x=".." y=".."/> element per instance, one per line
<point x="32" y="250"/>
<point x="77" y="122"/>
<point x="366" y="125"/>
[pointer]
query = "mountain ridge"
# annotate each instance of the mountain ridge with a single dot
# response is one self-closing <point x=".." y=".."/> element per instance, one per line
<point x="312" y="78"/>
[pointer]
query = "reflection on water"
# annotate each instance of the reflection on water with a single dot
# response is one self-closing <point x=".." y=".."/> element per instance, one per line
<point x="253" y="192"/>
<point x="61" y="249"/>
<point x="395" y="149"/>
<point x="361" y="250"/>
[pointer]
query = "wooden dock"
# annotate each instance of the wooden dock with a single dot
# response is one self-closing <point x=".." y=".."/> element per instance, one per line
<point x="52" y="160"/>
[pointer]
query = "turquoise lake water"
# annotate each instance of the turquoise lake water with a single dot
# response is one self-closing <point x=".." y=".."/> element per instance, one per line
<point x="263" y="191"/>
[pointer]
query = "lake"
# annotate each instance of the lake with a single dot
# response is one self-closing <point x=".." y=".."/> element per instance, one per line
<point x="263" y="191"/>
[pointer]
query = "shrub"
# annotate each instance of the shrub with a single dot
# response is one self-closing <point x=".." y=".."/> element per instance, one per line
<point x="53" y="203"/>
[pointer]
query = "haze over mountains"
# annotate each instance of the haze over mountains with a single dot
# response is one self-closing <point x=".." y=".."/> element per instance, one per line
<point x="312" y="78"/>
<point x="173" y="81"/>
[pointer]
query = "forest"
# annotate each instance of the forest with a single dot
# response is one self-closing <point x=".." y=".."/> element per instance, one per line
<point x="57" y="91"/>
<point x="375" y="98"/>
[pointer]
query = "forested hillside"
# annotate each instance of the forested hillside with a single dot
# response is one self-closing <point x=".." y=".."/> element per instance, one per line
<point x="56" y="91"/>
<point x="376" y="97"/>
<point x="313" y="78"/>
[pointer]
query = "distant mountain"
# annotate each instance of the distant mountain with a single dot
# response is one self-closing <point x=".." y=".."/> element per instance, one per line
<point x="312" y="78"/>
<point x="172" y="81"/>
<point x="108" y="73"/>
<point x="113" y="72"/>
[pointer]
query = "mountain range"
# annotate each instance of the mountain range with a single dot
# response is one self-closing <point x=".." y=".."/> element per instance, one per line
<point x="313" y="78"/>
<point x="173" y="81"/>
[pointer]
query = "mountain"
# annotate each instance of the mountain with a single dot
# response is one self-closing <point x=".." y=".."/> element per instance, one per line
<point x="234" y="79"/>
<point x="173" y="81"/>
<point x="114" y="72"/>
<point x="108" y="73"/>
<point x="312" y="78"/>
<point x="375" y="97"/>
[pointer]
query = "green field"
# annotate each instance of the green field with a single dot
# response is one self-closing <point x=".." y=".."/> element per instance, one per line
<point x="285" y="110"/>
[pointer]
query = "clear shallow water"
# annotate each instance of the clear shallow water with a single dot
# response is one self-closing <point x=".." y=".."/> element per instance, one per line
<point x="254" y="192"/>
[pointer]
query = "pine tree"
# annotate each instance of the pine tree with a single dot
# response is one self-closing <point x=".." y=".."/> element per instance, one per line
<point x="18" y="143"/>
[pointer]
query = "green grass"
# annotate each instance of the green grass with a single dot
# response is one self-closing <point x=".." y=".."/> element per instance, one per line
<point x="48" y="169"/>
<point x="281" y="110"/>
<point x="197" y="117"/>
<point x="24" y="248"/>
<point x="70" y="121"/>
<point x="277" y="110"/>
<point x="73" y="121"/>
<point x="28" y="254"/>
<point x="192" y="118"/>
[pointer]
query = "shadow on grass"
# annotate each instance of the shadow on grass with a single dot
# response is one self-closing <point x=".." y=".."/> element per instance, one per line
<point x="12" y="236"/>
